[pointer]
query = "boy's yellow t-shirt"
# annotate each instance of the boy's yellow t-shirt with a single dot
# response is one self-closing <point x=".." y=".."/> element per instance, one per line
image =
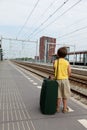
<point x="62" y="72"/>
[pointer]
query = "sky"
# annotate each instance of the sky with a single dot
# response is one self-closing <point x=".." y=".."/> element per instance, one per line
<point x="65" y="20"/>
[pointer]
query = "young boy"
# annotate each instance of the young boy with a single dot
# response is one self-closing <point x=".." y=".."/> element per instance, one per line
<point x="62" y="71"/>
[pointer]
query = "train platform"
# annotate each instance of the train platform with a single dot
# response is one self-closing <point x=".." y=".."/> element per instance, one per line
<point x="19" y="104"/>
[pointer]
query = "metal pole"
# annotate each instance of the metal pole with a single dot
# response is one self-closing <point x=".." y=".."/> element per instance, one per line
<point x="36" y="49"/>
<point x="39" y="51"/>
<point x="1" y="50"/>
<point x="74" y="56"/>
<point x="18" y="39"/>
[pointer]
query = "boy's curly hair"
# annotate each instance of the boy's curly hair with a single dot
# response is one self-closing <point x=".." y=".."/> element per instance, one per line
<point x="62" y="52"/>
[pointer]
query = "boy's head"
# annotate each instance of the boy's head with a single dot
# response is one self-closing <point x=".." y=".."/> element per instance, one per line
<point x="62" y="52"/>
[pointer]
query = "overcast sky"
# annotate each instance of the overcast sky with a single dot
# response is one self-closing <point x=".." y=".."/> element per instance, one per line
<point x="65" y="20"/>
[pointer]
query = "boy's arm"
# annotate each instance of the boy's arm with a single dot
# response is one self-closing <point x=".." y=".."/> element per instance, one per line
<point x="69" y="70"/>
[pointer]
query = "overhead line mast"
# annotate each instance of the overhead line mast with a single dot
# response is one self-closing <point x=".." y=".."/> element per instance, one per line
<point x="15" y="39"/>
<point x="22" y="40"/>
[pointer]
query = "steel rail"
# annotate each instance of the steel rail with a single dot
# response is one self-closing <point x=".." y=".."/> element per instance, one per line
<point x="49" y="71"/>
<point x="80" y="91"/>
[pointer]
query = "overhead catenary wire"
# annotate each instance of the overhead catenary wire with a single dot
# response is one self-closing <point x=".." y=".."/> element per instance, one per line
<point x="73" y="35"/>
<point x="58" y="17"/>
<point x="28" y="18"/>
<point x="49" y="17"/>
<point x="79" y="29"/>
<point x="42" y="15"/>
<point x="76" y="22"/>
<point x="48" y="8"/>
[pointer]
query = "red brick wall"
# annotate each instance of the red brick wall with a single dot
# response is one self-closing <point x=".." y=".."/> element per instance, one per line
<point x="50" y="49"/>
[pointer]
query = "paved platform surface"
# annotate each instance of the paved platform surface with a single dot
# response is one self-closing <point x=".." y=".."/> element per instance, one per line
<point x="19" y="104"/>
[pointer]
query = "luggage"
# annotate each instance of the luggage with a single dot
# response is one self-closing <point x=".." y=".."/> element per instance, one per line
<point x="48" y="96"/>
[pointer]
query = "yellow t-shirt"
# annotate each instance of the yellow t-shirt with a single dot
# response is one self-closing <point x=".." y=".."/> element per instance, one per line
<point x="62" y="72"/>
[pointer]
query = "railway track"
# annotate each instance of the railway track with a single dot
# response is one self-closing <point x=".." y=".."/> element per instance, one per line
<point x="78" y="80"/>
<point x="48" y="70"/>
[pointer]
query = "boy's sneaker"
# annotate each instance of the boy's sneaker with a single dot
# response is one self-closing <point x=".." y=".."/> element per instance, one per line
<point x="65" y="110"/>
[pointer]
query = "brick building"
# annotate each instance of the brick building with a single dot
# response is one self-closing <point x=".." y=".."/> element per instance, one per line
<point x="46" y="48"/>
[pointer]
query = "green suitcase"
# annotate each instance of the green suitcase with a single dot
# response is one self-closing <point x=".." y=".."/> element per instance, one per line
<point x="48" y="96"/>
